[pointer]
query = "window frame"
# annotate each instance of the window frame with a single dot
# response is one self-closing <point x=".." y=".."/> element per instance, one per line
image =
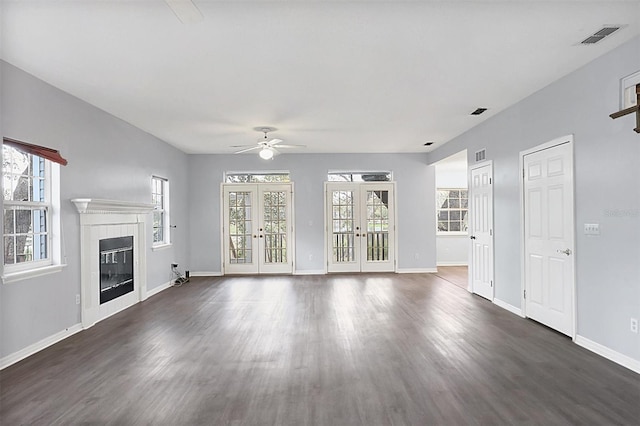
<point x="163" y="210"/>
<point x="357" y="175"/>
<point x="450" y="209"/>
<point x="256" y="176"/>
<point x="51" y="205"/>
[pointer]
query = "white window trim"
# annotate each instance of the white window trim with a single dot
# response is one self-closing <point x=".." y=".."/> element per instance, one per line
<point x="628" y="83"/>
<point x="55" y="263"/>
<point x="32" y="273"/>
<point x="451" y="233"/>
<point x="166" y="242"/>
<point x="226" y="175"/>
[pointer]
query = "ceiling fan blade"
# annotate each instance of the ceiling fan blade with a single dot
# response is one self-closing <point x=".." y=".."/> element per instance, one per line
<point x="248" y="149"/>
<point x="292" y="146"/>
<point x="274" y="141"/>
<point x="241" y="146"/>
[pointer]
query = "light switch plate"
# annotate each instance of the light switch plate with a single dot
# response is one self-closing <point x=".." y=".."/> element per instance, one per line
<point x="591" y="229"/>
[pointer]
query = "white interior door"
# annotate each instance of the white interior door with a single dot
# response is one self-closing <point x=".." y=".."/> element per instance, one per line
<point x="360" y="227"/>
<point x="481" y="231"/>
<point x="257" y="229"/>
<point x="548" y="227"/>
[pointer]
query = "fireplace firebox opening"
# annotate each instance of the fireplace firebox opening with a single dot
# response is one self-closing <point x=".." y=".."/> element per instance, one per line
<point x="116" y="267"/>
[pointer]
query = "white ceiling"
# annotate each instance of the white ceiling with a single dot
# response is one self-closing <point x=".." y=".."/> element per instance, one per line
<point x="336" y="76"/>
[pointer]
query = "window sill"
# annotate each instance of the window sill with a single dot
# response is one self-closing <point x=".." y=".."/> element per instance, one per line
<point x="31" y="273"/>
<point x="160" y="246"/>
<point x="452" y="234"/>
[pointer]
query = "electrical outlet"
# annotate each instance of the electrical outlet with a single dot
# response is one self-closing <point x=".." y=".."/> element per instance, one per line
<point x="634" y="325"/>
<point x="77" y="299"/>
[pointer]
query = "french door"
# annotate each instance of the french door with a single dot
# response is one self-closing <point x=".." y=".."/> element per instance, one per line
<point x="257" y="228"/>
<point x="360" y="223"/>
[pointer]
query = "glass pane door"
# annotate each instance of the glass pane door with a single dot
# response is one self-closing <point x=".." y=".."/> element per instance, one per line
<point x="240" y="226"/>
<point x="275" y="228"/>
<point x="343" y="239"/>
<point x="378" y="217"/>
<point x="239" y="229"/>
<point x="256" y="229"/>
<point x="377" y="225"/>
<point x="360" y="227"/>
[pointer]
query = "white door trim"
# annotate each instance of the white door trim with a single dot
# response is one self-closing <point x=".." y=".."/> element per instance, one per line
<point x="567" y="139"/>
<point x="469" y="221"/>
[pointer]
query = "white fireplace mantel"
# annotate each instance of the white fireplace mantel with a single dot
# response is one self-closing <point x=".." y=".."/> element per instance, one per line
<point x="96" y="205"/>
<point x="100" y="219"/>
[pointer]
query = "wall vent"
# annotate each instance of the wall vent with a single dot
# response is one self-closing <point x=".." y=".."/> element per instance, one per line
<point x="481" y="155"/>
<point x="599" y="35"/>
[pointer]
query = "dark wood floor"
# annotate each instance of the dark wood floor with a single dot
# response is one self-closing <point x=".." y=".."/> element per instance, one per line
<point x="318" y="350"/>
<point x="458" y="275"/>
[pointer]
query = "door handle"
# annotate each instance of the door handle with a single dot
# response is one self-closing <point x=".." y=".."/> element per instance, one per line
<point x="260" y="236"/>
<point x="473" y="237"/>
<point x="357" y="235"/>
<point x="567" y="251"/>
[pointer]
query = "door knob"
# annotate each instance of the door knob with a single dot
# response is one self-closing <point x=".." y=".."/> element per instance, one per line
<point x="260" y="236"/>
<point x="473" y="237"/>
<point x="567" y="251"/>
<point x="357" y="235"/>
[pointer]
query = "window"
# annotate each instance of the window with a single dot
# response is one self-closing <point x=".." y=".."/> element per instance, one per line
<point x="29" y="215"/>
<point x="359" y="177"/>
<point x="247" y="177"/>
<point x="160" y="201"/>
<point x="452" y="207"/>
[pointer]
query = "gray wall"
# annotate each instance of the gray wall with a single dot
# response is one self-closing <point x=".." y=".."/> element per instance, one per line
<point x="607" y="181"/>
<point x="415" y="198"/>
<point x="108" y="158"/>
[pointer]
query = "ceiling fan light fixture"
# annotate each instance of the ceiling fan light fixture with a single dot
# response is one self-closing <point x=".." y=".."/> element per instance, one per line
<point x="266" y="153"/>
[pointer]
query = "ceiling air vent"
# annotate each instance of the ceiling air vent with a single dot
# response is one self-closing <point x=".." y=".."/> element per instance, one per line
<point x="478" y="111"/>
<point x="481" y="155"/>
<point x="599" y="35"/>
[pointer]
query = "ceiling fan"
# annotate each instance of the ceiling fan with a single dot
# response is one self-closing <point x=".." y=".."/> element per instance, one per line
<point x="266" y="145"/>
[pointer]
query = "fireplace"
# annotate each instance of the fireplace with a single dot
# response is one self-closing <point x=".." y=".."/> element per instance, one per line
<point x="113" y="256"/>
<point x="116" y="267"/>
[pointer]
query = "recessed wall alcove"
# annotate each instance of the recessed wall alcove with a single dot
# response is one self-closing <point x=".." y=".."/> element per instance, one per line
<point x="107" y="220"/>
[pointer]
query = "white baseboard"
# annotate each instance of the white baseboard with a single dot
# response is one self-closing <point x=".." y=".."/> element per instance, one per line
<point x="205" y="274"/>
<point x="608" y="353"/>
<point x="158" y="289"/>
<point x="310" y="272"/>
<point x="508" y="307"/>
<point x="416" y="270"/>
<point x="38" y="346"/>
<point x="452" y="264"/>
